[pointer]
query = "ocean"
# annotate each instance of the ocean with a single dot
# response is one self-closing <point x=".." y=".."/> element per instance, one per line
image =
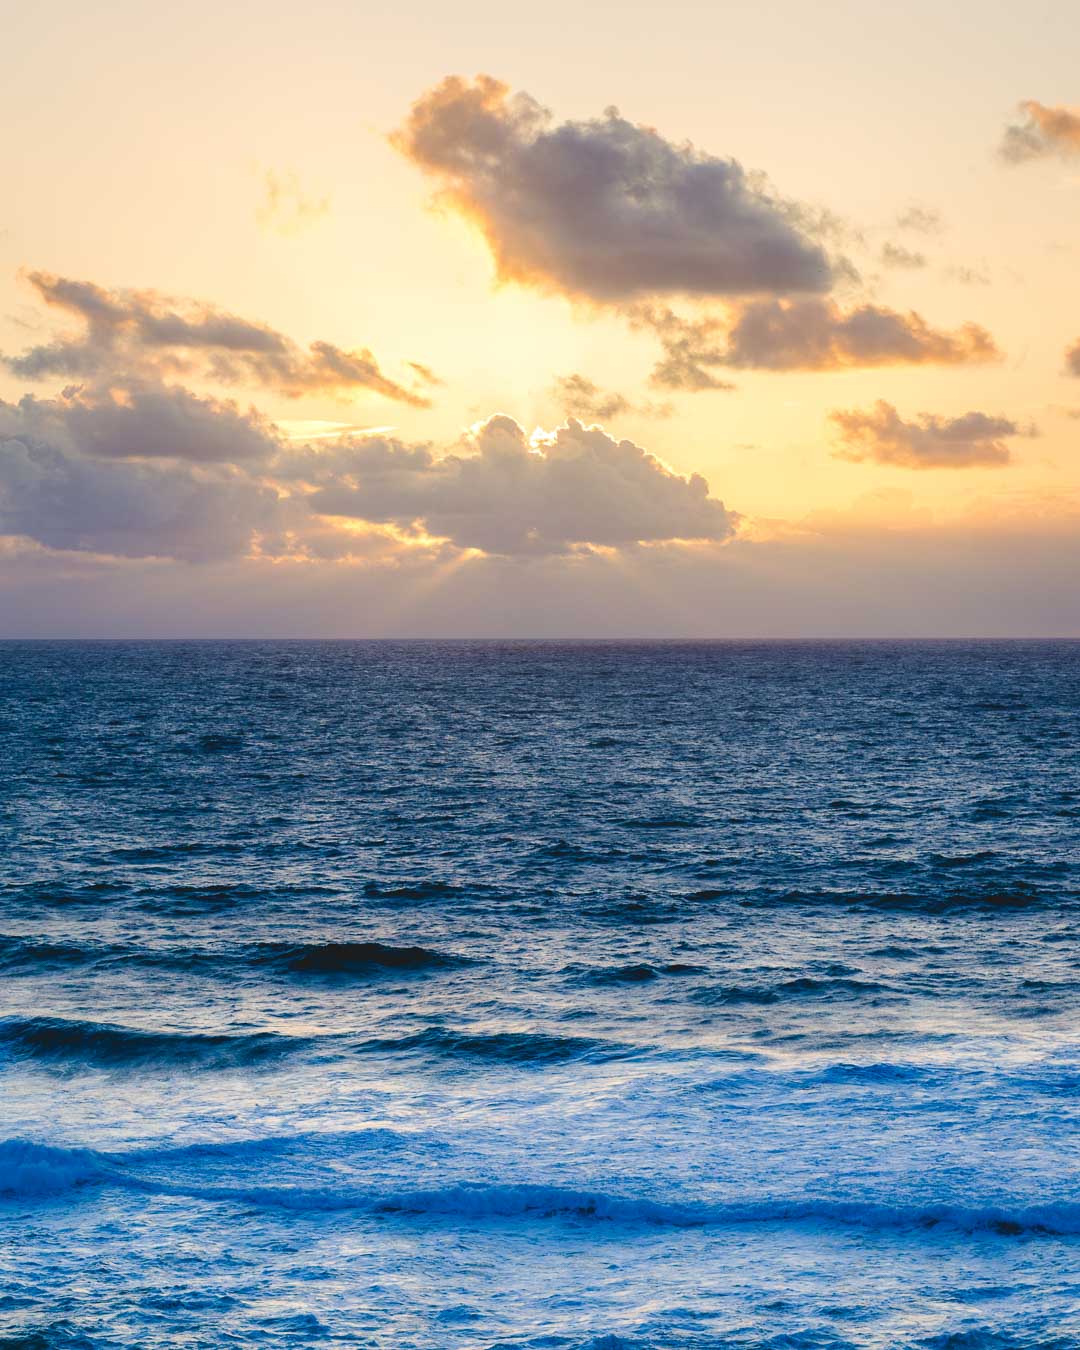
<point x="569" y="996"/>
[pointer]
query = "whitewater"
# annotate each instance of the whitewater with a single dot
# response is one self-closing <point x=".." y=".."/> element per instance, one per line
<point x="572" y="996"/>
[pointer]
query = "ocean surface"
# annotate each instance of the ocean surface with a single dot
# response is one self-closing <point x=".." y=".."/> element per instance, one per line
<point x="563" y="996"/>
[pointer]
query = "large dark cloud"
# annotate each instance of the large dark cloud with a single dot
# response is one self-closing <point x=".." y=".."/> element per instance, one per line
<point x="511" y="496"/>
<point x="146" y="334"/>
<point x="149" y="421"/>
<point x="605" y="210"/>
<point x="158" y="472"/>
<point x="132" y="510"/>
<point x="613" y="213"/>
<point x="882" y="436"/>
<point x="804" y="334"/>
<point x="1042" y="132"/>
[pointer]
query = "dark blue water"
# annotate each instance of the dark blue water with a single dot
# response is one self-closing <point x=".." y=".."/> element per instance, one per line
<point x="540" y="995"/>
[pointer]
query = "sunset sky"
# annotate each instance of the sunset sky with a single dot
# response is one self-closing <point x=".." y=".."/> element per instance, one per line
<point x="578" y="321"/>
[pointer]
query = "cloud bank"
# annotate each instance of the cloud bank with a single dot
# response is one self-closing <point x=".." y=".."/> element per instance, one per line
<point x="605" y="210"/>
<point x="160" y="473"/>
<point x="514" y="496"/>
<point x="150" y="335"/>
<point x="881" y="436"/>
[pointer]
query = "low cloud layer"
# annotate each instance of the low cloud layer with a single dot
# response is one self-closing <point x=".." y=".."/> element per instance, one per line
<point x="1043" y="132"/>
<point x="807" y="334"/>
<point x="159" y="473"/>
<point x="136" y="421"/>
<point x="605" y="210"/>
<point x="882" y="436"/>
<point x="149" y="335"/>
<point x="129" y="510"/>
<point x="509" y="495"/>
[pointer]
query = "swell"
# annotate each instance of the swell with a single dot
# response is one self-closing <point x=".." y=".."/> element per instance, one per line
<point x="19" y="955"/>
<point x="105" y="1045"/>
<point x="992" y="898"/>
<point x="30" y="1171"/>
<point x="523" y="1048"/>
<point x="72" y="1043"/>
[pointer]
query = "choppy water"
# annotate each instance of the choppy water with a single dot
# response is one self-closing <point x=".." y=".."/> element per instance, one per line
<point x="539" y="995"/>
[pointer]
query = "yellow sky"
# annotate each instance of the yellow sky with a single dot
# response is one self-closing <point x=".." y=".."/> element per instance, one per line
<point x="139" y="145"/>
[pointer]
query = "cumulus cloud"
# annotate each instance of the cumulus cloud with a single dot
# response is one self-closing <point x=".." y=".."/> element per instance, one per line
<point x="1072" y="359"/>
<point x="805" y="334"/>
<point x="882" y="436"/>
<point x="131" y="510"/>
<point x="511" y="495"/>
<point x="1042" y="132"/>
<point x="898" y="257"/>
<point x="605" y="210"/>
<point x="145" y="422"/>
<point x="146" y="334"/>
<point x="581" y="397"/>
<point x="144" y="472"/>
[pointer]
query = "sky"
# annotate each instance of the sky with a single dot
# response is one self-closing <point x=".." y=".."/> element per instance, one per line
<point x="584" y="321"/>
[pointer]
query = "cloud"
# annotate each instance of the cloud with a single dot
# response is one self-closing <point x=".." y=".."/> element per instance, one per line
<point x="157" y="472"/>
<point x="511" y="495"/>
<point x="285" y="207"/>
<point x="1044" y="131"/>
<point x="1072" y="359"/>
<point x="580" y="397"/>
<point x="145" y="422"/>
<point x="1008" y="571"/>
<point x="881" y="436"/>
<point x="149" y="335"/>
<point x="920" y="220"/>
<point x="605" y="210"/>
<point x="806" y="334"/>
<point x="690" y="346"/>
<point x="898" y="257"/>
<point x="130" y="510"/>
<point x="969" y="276"/>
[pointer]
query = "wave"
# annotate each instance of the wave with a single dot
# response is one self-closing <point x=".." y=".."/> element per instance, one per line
<point x="417" y="890"/>
<point x="1016" y="897"/>
<point x="31" y="1171"/>
<point x="524" y="1048"/>
<point x="50" y="1336"/>
<point x="68" y="1042"/>
<point x="27" y="955"/>
<point x="639" y="973"/>
<point x="803" y="986"/>
<point x="349" y="958"/>
<point x="104" y="1045"/>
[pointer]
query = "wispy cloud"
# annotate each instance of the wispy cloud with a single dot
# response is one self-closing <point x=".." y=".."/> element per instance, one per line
<point x="146" y="334"/>
<point x="882" y="436"/>
<point x="285" y="207"/>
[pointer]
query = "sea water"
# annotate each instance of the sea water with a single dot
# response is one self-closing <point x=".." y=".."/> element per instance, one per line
<point x="539" y="995"/>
